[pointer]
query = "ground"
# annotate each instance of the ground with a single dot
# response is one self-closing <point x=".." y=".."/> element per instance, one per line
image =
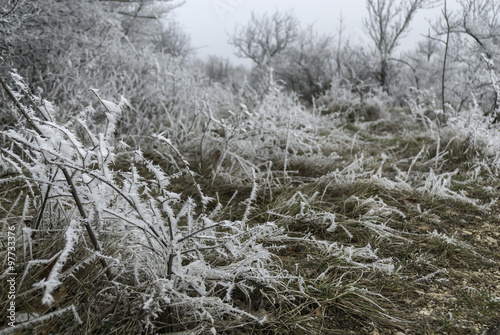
<point x="445" y="250"/>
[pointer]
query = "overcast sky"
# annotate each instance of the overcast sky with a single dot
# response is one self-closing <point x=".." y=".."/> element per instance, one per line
<point x="209" y="21"/>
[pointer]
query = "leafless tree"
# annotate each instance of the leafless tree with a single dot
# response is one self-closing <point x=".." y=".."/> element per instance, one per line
<point x="217" y="69"/>
<point x="264" y="37"/>
<point x="340" y="44"/>
<point x="387" y="22"/>
<point x="308" y="66"/>
<point x="481" y="22"/>
<point x="173" y="40"/>
<point x="429" y="47"/>
<point x="446" y="17"/>
<point x="471" y="40"/>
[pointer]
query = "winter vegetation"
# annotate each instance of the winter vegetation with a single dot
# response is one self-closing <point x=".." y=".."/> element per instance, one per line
<point x="331" y="188"/>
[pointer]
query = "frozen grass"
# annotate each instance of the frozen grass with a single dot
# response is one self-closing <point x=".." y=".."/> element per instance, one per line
<point x="164" y="253"/>
<point x="243" y="216"/>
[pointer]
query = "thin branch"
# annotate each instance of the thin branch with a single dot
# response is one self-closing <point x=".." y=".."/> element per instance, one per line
<point x="150" y="17"/>
<point x="86" y="223"/>
<point x="19" y="106"/>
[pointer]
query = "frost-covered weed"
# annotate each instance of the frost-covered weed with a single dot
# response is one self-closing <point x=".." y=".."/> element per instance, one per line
<point x="250" y="136"/>
<point x="308" y="213"/>
<point x="172" y="259"/>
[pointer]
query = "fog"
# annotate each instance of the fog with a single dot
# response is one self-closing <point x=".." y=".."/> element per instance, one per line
<point x="210" y="22"/>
